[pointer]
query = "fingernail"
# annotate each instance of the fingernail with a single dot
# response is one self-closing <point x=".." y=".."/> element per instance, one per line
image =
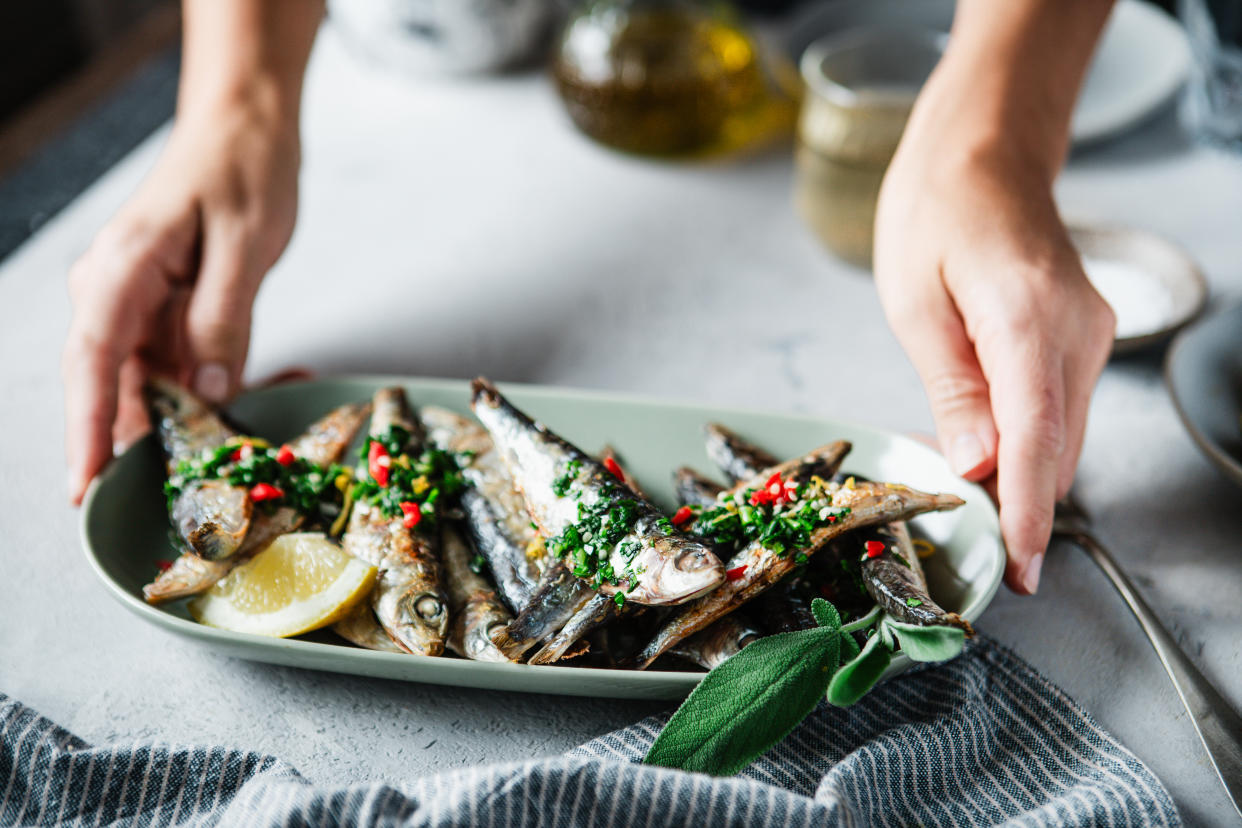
<point x="1030" y="578"/>
<point x="966" y="453"/>
<point x="211" y="382"/>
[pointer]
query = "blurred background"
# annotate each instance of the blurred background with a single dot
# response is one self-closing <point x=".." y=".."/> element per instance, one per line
<point x="83" y="81"/>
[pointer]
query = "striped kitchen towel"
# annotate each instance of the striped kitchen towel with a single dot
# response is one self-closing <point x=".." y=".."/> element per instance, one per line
<point x="982" y="740"/>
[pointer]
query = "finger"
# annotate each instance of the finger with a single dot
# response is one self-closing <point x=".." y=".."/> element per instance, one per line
<point x="1083" y="366"/>
<point x="1029" y="406"/>
<point x="931" y="332"/>
<point x="218" y="316"/>
<point x="116" y="288"/>
<point x="131" y="414"/>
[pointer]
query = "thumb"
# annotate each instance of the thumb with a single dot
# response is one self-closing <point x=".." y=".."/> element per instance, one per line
<point x="219" y="312"/>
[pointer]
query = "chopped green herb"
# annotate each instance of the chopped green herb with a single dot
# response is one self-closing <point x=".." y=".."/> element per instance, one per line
<point x="619" y="599"/>
<point x="560" y="486"/>
<point x="426" y="478"/>
<point x="913" y="602"/>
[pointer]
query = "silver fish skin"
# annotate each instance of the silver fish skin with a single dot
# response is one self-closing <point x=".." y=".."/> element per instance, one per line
<point x="595" y="613"/>
<point x="895" y="579"/>
<point x="711" y="647"/>
<point x="737" y="457"/>
<point x="474" y="608"/>
<point x="667" y="567"/>
<point x="495" y="511"/>
<point x="557" y="599"/>
<point x="323" y="443"/>
<point x="408" y="597"/>
<point x="210" y="516"/>
<point x="363" y="629"/>
<point x="693" y="489"/>
<point x="870" y="504"/>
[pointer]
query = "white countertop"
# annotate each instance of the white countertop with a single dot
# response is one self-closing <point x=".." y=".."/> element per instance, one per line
<point x="518" y="249"/>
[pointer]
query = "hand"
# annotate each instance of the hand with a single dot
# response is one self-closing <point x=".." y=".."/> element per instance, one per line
<point x="986" y="294"/>
<point x="168" y="285"/>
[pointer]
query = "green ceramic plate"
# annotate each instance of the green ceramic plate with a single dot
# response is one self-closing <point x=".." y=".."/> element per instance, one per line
<point x="124" y="526"/>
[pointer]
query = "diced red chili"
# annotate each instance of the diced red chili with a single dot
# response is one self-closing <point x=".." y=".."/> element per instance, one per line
<point x="243" y="452"/>
<point x="413" y="513"/>
<point x="260" y="492"/>
<point x="613" y="466"/>
<point x="874" y="549"/>
<point x="761" y="497"/>
<point x="682" y="516"/>
<point x="736" y="572"/>
<point x="285" y="456"/>
<point x="378" y="463"/>
<point x="163" y="564"/>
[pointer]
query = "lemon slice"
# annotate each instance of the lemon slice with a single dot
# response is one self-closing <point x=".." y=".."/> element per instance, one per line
<point x="299" y="583"/>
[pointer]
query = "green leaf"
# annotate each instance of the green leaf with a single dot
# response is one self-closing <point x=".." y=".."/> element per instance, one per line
<point x="859" y="675"/>
<point x="748" y="703"/>
<point x="826" y="614"/>
<point x="849" y="648"/>
<point x="927" y="643"/>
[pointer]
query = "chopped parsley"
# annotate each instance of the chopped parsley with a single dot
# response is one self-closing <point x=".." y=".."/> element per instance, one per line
<point x="780" y="516"/>
<point x="309" y="488"/>
<point x="913" y="602"/>
<point x="428" y="479"/>
<point x="561" y="485"/>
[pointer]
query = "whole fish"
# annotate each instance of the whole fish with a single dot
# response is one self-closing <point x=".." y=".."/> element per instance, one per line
<point x="693" y="489"/>
<point x="495" y="512"/>
<point x="894" y="578"/>
<point x="210" y="516"/>
<point x="408" y="597"/>
<point x="738" y="458"/>
<point x="474" y="608"/>
<point x="557" y="599"/>
<point x="322" y="443"/>
<point x="362" y="628"/>
<point x="758" y="568"/>
<point x="711" y="647"/>
<point x="652" y="563"/>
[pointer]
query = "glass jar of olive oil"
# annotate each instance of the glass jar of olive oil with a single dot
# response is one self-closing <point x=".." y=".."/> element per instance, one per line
<point x="669" y="78"/>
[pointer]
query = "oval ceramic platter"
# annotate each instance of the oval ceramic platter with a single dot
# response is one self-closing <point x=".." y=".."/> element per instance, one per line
<point x="125" y="527"/>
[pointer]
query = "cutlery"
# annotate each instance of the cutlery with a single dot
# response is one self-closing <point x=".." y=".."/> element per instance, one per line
<point x="1219" y="726"/>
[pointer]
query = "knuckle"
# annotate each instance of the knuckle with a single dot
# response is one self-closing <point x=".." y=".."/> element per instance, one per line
<point x="951" y="392"/>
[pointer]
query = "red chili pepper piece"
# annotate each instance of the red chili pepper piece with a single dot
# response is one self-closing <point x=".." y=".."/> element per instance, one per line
<point x="682" y="516"/>
<point x="736" y="572"/>
<point x="874" y="549"/>
<point x="163" y="564"/>
<point x="613" y="466"/>
<point x="761" y="497"/>
<point x="413" y="514"/>
<point x="260" y="492"/>
<point x="378" y="463"/>
<point x="285" y="456"/>
<point x="242" y="452"/>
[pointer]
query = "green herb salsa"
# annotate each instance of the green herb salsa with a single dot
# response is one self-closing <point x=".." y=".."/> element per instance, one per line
<point x="587" y="544"/>
<point x="311" y="489"/>
<point x="431" y="479"/>
<point x="781" y="516"/>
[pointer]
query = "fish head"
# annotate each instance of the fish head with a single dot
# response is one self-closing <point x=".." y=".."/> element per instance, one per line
<point x="674" y="569"/>
<point x="422" y="620"/>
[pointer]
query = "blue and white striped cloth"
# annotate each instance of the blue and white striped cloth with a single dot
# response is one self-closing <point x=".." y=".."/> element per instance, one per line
<point x="982" y="740"/>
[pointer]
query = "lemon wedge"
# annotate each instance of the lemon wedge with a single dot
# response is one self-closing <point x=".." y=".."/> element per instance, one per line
<point x="299" y="583"/>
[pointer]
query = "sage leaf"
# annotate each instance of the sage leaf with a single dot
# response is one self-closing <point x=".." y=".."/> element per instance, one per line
<point x="826" y="614"/>
<point x="857" y="676"/>
<point x="927" y="643"/>
<point x="749" y="703"/>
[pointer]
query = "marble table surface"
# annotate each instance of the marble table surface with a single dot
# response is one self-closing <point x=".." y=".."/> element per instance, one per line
<point x="517" y="248"/>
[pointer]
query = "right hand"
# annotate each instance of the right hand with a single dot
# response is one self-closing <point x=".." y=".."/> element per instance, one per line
<point x="167" y="286"/>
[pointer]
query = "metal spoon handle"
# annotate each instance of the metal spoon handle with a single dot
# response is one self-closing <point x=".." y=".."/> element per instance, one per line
<point x="1219" y="726"/>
